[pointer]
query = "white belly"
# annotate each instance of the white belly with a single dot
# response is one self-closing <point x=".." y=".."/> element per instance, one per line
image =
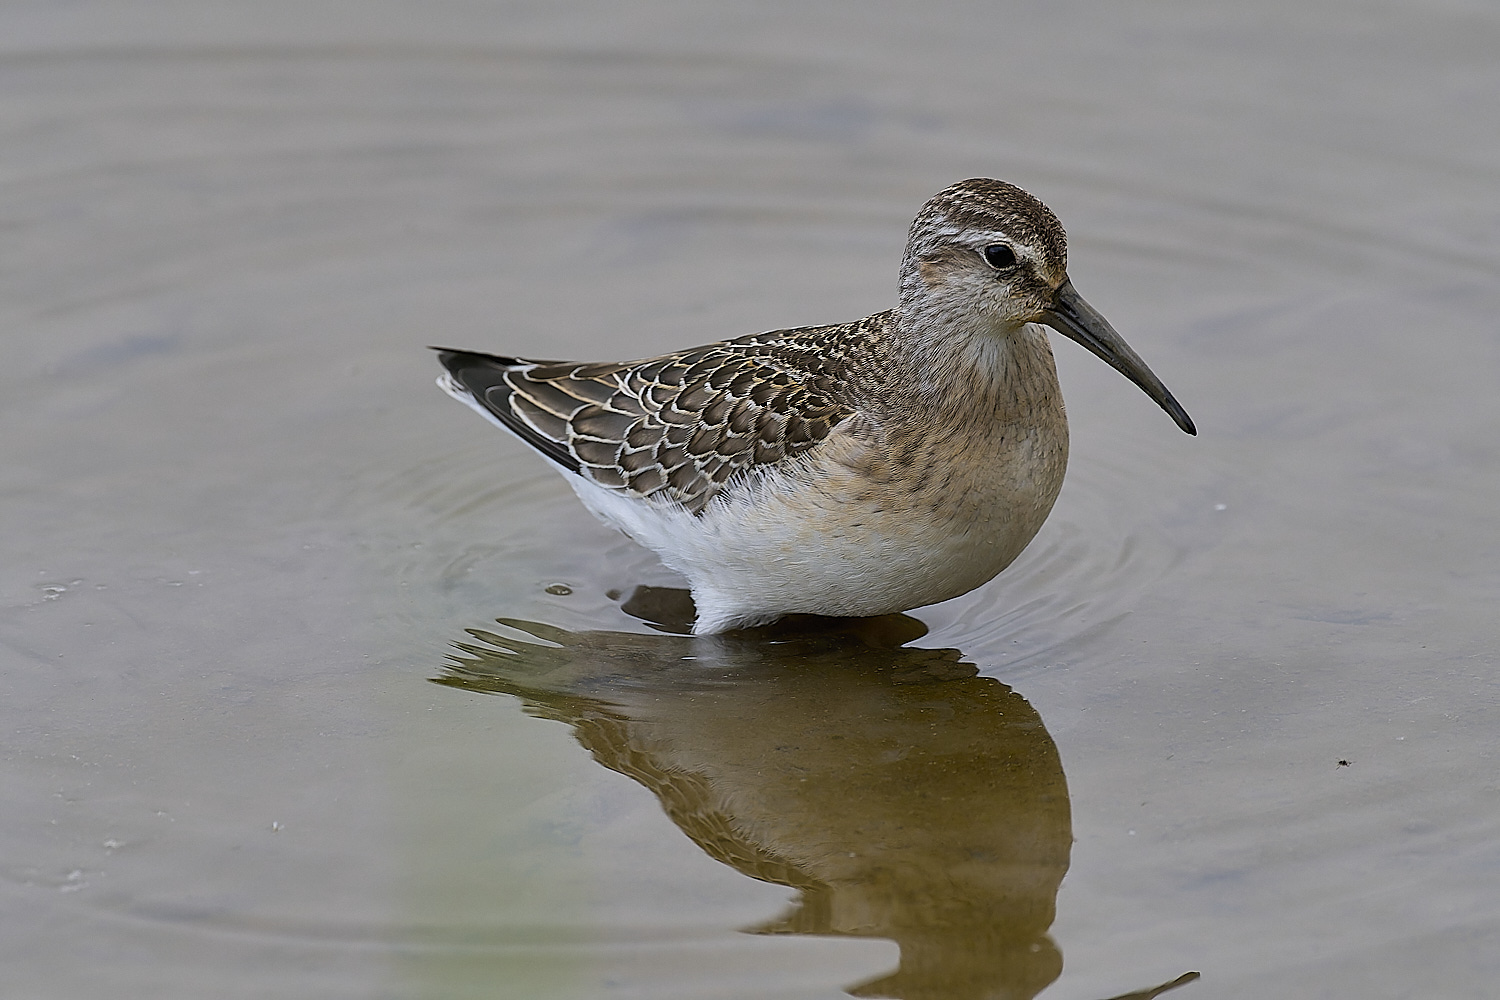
<point x="823" y="537"/>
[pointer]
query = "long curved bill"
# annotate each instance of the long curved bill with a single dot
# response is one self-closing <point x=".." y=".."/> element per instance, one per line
<point x="1075" y="319"/>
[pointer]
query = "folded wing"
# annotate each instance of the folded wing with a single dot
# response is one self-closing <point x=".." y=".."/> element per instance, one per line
<point x="677" y="428"/>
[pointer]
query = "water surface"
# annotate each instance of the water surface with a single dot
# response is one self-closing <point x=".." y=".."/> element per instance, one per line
<point x="1235" y="710"/>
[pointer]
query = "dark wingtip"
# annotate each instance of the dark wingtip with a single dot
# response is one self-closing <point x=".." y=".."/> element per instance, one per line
<point x="452" y="358"/>
<point x="445" y="356"/>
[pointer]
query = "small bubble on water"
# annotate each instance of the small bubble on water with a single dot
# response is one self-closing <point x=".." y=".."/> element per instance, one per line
<point x="1221" y="506"/>
<point x="559" y="589"/>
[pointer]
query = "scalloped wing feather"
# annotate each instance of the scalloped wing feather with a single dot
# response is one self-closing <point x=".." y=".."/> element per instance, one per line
<point x="681" y="427"/>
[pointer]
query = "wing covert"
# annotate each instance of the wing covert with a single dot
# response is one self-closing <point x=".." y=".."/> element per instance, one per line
<point x="676" y="428"/>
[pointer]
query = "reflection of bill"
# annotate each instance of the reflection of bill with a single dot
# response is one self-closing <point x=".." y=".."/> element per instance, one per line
<point x="903" y="796"/>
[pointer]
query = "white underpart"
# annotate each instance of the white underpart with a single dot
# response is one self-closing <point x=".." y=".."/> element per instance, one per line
<point x="776" y="543"/>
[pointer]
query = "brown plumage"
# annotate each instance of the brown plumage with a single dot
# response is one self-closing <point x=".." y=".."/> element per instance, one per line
<point x="680" y="427"/>
<point x="858" y="468"/>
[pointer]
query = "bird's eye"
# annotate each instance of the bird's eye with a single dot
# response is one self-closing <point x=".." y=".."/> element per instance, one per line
<point x="999" y="256"/>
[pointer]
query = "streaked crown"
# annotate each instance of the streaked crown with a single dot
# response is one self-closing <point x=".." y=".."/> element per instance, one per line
<point x="983" y="245"/>
<point x="981" y="204"/>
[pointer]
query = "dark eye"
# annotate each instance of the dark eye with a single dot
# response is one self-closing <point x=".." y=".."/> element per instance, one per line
<point x="999" y="256"/>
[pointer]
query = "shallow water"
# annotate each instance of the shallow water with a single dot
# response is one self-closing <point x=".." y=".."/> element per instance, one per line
<point x="1235" y="711"/>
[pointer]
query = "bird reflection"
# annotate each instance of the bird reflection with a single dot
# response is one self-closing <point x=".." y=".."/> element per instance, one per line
<point x="902" y="795"/>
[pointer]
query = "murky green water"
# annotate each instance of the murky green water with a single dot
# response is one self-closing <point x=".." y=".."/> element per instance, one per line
<point x="1235" y="711"/>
